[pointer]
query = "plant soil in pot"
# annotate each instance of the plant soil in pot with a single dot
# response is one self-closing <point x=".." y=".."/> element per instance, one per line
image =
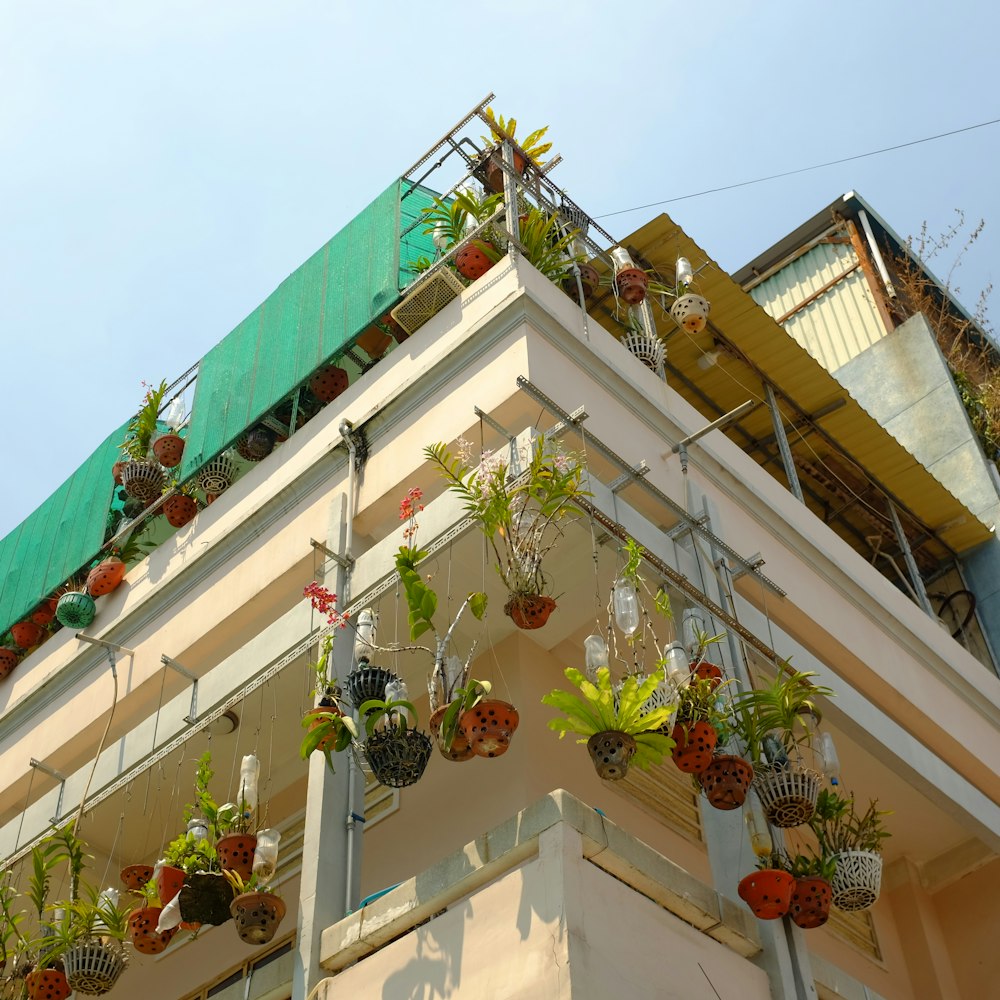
<point x="368" y="683"/>
<point x="93" y="967"/>
<point x="473" y="260"/>
<point x="8" y="660"/>
<point x="47" y="984"/>
<point x="726" y="781"/>
<point x="787" y="793"/>
<point x="460" y="748"/>
<point x="398" y="758"/>
<point x="611" y="752"/>
<point x="810" y="905"/>
<point x="695" y="743"/>
<point x="235" y="853"/>
<point x="143" y="480"/>
<point x="134" y="877"/>
<point x="691" y="312"/>
<point x="179" y="510"/>
<point x="767" y="892"/>
<point x="76" y="609"/>
<point x="489" y="726"/>
<point x="169" y="450"/>
<point x="328" y="383"/>
<point x="26" y="634"/>
<point x="529" y="611"/>
<point x="205" y="899"/>
<point x="631" y="285"/>
<point x="257" y="915"/>
<point x="256" y="444"/>
<point x="169" y="882"/>
<point x="143" y="934"/>
<point x="106" y="576"/>
<point x="858" y="880"/>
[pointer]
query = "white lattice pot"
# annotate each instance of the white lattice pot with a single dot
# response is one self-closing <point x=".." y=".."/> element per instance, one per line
<point x="649" y="350"/>
<point x="787" y="792"/>
<point x="858" y="880"/>
<point x="143" y="480"/>
<point x="93" y="967"/>
<point x="691" y="312"/>
<point x="218" y="475"/>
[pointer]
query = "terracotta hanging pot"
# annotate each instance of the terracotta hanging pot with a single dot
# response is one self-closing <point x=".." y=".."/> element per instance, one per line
<point x="256" y="444"/>
<point x="169" y="450"/>
<point x="810" y="904"/>
<point x="47" y="984"/>
<point x="691" y="312"/>
<point x="695" y="743"/>
<point x="329" y="382"/>
<point x="168" y="882"/>
<point x="374" y="342"/>
<point x="180" y="509"/>
<point x="529" y="611"/>
<point x="611" y="752"/>
<point x="631" y="285"/>
<point x="726" y="781"/>
<point x="473" y="260"/>
<point x="76" y="609"/>
<point x="143" y="934"/>
<point x="589" y="278"/>
<point x="45" y="613"/>
<point x="767" y="892"/>
<point x="494" y="171"/>
<point x="134" y="877"/>
<point x="235" y="853"/>
<point x="461" y="749"/>
<point x="489" y="726"/>
<point x="26" y="634"/>
<point x="8" y="660"/>
<point x="398" y="333"/>
<point x="143" y="480"/>
<point x="106" y="576"/>
<point x="116" y="472"/>
<point x="257" y="915"/>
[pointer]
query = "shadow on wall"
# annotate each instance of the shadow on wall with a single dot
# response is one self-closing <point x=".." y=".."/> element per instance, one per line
<point x="436" y="969"/>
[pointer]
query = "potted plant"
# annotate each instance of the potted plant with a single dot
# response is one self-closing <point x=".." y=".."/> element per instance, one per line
<point x="141" y="478"/>
<point x="256" y="910"/>
<point x="448" y="222"/>
<point x="181" y="507"/>
<point x="776" y="724"/>
<point x="473" y="725"/>
<point x="616" y="730"/>
<point x="689" y="310"/>
<point x="521" y="511"/>
<point x="853" y="843"/>
<point x="549" y="246"/>
<point x="258" y="442"/>
<point x="726" y="781"/>
<point x="768" y="891"/>
<point x="695" y="730"/>
<point x="812" y="894"/>
<point x="143" y="921"/>
<point x="697" y="648"/>
<point x="330" y="730"/>
<point x="396" y="751"/>
<point x="89" y="937"/>
<point x="491" y="172"/>
<point x="108" y="574"/>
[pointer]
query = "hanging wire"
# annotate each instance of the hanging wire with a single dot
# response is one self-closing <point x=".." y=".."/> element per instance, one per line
<point x="97" y="756"/>
<point x="156" y="725"/>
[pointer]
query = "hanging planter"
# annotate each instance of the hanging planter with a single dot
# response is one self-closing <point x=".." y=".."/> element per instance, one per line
<point x="235" y="853"/>
<point x="116" y="472"/>
<point x="45" y="613"/>
<point x="169" y="882"/>
<point x="694" y="745"/>
<point x="460" y="750"/>
<point x="767" y="892"/>
<point x="858" y="880"/>
<point x="134" y="877"/>
<point x="612" y="752"/>
<point x="691" y="312"/>
<point x="708" y="671"/>
<point x="47" y="984"/>
<point x="218" y="475"/>
<point x="26" y="634"/>
<point x="93" y="967"/>
<point x="475" y="259"/>
<point x="589" y="279"/>
<point x="529" y="611"/>
<point x="328" y="383"/>
<point x="398" y="756"/>
<point x="256" y="444"/>
<point x="488" y="727"/>
<point x="726" y="781"/>
<point x="106" y="576"/>
<point x="8" y="660"/>
<point x="143" y="933"/>
<point x="169" y="450"/>
<point x="143" y="480"/>
<point x="367" y="683"/>
<point x="810" y="903"/>
<point x="76" y="609"/>
<point x="374" y="342"/>
<point x="649" y="350"/>
<point x="204" y="899"/>
<point x="631" y="285"/>
<point x="180" y="509"/>
<point x="257" y="915"/>
<point x="787" y="792"/>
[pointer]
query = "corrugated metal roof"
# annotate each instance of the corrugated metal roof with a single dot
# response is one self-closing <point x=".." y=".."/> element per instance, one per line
<point x="807" y="384"/>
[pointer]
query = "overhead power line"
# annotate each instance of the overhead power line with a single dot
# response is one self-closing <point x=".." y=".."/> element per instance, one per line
<point x="800" y="170"/>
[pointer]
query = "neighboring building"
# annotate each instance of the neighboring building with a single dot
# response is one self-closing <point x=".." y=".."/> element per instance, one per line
<point x="523" y="876"/>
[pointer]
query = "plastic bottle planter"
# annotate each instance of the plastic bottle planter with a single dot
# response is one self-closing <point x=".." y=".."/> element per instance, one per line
<point x="695" y="743"/>
<point x="611" y="752"/>
<point x="257" y="915"/>
<point x="691" y="312"/>
<point x="143" y="480"/>
<point x="787" y="793"/>
<point x="235" y="852"/>
<point x="726" y="781"/>
<point x="106" y="576"/>
<point x="169" y="450"/>
<point x="367" y="683"/>
<point x="26" y="634"/>
<point x="488" y="727"/>
<point x="810" y="904"/>
<point x="529" y="611"/>
<point x="134" y="877"/>
<point x="858" y="880"/>
<point x="143" y="934"/>
<point x="631" y="285"/>
<point x="256" y="444"/>
<point x="461" y="749"/>
<point x="767" y="892"/>
<point x="8" y="660"/>
<point x="398" y="757"/>
<point x="218" y="475"/>
<point x="204" y="899"/>
<point x="47" y="984"/>
<point x="473" y="260"/>
<point x="76" y="609"/>
<point x="93" y="967"/>
<point x="179" y="510"/>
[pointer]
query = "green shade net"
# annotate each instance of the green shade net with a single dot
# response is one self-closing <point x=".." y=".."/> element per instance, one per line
<point x="60" y="537"/>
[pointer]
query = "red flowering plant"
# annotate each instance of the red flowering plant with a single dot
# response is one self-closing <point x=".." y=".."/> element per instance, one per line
<point x="325" y="602"/>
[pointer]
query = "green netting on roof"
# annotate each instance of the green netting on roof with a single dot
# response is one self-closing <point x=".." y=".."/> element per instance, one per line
<point x="313" y="315"/>
<point x="60" y="537"/>
<point x="413" y="244"/>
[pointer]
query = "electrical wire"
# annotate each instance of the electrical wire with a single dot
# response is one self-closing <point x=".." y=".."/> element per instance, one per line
<point x="798" y="170"/>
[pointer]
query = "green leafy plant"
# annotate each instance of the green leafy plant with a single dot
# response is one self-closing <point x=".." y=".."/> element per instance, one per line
<point x="241" y="885"/>
<point x="547" y="246"/>
<point x="463" y="700"/>
<point x="701" y="700"/>
<point x="142" y="427"/>
<point x="532" y="144"/>
<point x="597" y="708"/>
<point x="812" y="866"/>
<point x="449" y="220"/>
<point x="390" y="714"/>
<point x="838" y="826"/>
<point x="330" y="732"/>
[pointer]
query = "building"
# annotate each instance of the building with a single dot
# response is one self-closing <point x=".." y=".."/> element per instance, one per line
<point x="525" y="875"/>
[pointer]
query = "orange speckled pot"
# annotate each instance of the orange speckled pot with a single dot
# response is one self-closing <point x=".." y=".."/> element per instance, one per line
<point x="105" y="577"/>
<point x="169" y="450"/>
<point x="695" y="743"/>
<point x="47" y="984"/>
<point x="235" y="853"/>
<point x="142" y="931"/>
<point x="529" y="611"/>
<point x="26" y="634"/>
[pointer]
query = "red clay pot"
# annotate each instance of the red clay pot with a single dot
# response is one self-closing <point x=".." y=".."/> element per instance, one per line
<point x="329" y="742"/>
<point x="169" y="450"/>
<point x="142" y="931"/>
<point x="589" y="278"/>
<point x="472" y="261"/>
<point x="398" y="333"/>
<point x="374" y="342"/>
<point x="44" y="615"/>
<point x="168" y="882"/>
<point x="235" y="853"/>
<point x="488" y="727"/>
<point x="8" y="660"/>
<point x="47" y="984"/>
<point x="328" y="383"/>
<point x="695" y="743"/>
<point x="134" y="877"/>
<point x="768" y="893"/>
<point x="106" y="576"/>
<point x="726" y="781"/>
<point x="116" y="473"/>
<point x="529" y="611"/>
<point x="631" y="285"/>
<point x="810" y="905"/>
<point x="180" y="510"/>
<point x="461" y="749"/>
<point x="708" y="671"/>
<point x="494" y="172"/>
<point x="27" y="634"/>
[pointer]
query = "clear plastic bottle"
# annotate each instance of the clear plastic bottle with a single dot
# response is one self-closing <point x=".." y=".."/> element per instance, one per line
<point x="249" y="776"/>
<point x="760" y="835"/>
<point x="265" y="855"/>
<point x="595" y="652"/>
<point x="676" y="663"/>
<point x="198" y="827"/>
<point x="364" y="637"/>
<point x="625" y="602"/>
<point x="831" y="762"/>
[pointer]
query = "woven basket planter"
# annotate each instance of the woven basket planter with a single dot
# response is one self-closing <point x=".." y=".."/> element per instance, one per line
<point x="611" y="753"/>
<point x="218" y="475"/>
<point x="398" y="757"/>
<point x="93" y="967"/>
<point x="691" y="312"/>
<point x="787" y="793"/>
<point x="368" y="683"/>
<point x="858" y="881"/>
<point x="143" y="480"/>
<point x="427" y="299"/>
<point x="256" y="444"/>
<point x="76" y="609"/>
<point x="649" y="350"/>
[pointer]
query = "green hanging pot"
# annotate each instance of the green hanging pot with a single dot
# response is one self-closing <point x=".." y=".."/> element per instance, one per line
<point x="76" y="609"/>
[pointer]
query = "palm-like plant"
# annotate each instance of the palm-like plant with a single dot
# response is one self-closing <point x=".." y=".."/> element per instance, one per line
<point x="839" y="828"/>
<point x="547" y="247"/>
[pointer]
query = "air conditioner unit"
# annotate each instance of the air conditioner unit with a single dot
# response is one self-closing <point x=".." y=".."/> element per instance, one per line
<point x="427" y="299"/>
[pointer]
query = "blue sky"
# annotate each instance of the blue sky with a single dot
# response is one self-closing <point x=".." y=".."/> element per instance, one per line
<point x="164" y="166"/>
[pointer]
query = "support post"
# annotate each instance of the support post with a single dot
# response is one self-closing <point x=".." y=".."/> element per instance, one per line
<point x="782" y="441"/>
<point x="911" y="564"/>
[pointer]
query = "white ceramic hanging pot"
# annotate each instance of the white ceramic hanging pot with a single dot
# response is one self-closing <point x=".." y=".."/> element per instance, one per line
<point x="691" y="312"/>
